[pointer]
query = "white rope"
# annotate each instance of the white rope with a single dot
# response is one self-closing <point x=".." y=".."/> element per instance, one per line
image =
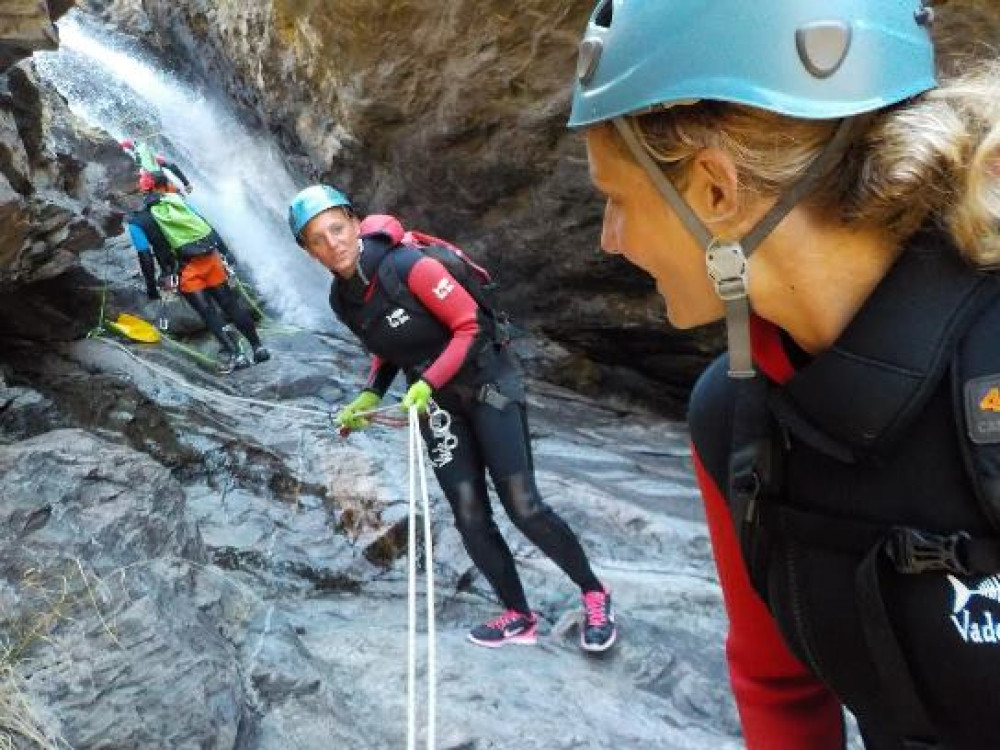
<point x="418" y="467"/>
<point x="429" y="562"/>
<point x="411" y="612"/>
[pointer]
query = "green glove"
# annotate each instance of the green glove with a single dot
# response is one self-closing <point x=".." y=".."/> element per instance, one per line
<point x="418" y="396"/>
<point x="348" y="418"/>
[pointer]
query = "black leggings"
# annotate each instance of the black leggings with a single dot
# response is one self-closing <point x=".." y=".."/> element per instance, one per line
<point x="208" y="303"/>
<point x="497" y="440"/>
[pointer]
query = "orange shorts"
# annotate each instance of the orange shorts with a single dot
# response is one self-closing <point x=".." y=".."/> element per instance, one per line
<point x="203" y="272"/>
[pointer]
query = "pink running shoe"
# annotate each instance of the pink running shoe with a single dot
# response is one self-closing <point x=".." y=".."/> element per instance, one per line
<point x="510" y="627"/>
<point x="598" y="631"/>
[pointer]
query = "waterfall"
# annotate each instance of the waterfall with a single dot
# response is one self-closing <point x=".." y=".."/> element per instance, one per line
<point x="241" y="184"/>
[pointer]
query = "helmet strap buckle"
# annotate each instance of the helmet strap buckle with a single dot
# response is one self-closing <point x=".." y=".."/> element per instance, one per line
<point x="728" y="269"/>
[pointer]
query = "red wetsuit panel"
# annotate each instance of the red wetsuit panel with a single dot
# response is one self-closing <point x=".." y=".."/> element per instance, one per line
<point x="782" y="705"/>
<point x="447" y="301"/>
<point x="769" y="351"/>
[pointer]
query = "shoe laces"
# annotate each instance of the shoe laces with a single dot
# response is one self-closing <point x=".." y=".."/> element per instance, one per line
<point x="595" y="602"/>
<point x="498" y="623"/>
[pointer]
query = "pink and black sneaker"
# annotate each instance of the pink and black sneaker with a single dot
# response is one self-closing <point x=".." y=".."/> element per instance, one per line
<point x="510" y="627"/>
<point x="598" y="631"/>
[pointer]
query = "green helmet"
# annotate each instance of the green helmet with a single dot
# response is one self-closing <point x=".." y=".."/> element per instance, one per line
<point x="804" y="58"/>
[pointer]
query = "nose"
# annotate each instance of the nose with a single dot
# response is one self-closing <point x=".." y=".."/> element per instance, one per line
<point x="611" y="231"/>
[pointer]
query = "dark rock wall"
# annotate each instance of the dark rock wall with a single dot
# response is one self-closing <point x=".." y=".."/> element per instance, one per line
<point x="57" y="178"/>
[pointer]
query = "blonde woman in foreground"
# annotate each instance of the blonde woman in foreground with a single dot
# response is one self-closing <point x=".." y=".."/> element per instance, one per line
<point x="797" y="169"/>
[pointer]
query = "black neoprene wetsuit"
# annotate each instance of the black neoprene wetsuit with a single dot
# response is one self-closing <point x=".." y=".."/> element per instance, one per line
<point x="439" y="334"/>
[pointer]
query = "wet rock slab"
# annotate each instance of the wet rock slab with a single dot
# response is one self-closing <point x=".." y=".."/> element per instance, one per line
<point x="248" y="566"/>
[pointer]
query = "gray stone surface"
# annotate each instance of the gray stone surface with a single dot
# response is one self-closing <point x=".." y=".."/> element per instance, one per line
<point x="248" y="570"/>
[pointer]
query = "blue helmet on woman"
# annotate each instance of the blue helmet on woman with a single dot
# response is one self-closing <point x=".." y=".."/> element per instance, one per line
<point x="829" y="60"/>
<point x="802" y="58"/>
<point x="311" y="202"/>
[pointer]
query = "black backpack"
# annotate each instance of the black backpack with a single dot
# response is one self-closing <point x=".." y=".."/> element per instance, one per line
<point x="475" y="279"/>
<point x="901" y="355"/>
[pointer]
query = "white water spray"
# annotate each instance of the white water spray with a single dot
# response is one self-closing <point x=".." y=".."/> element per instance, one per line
<point x="240" y="183"/>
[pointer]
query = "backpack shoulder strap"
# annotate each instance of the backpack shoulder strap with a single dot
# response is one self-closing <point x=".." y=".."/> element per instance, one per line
<point x="395" y="267"/>
<point x="864" y="392"/>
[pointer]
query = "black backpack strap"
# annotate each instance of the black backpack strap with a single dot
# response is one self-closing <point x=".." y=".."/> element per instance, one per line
<point x="900" y="689"/>
<point x="864" y="392"/>
<point x="390" y="278"/>
<point x="756" y="475"/>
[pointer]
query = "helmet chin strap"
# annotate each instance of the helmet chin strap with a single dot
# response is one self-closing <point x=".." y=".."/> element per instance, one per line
<point x="357" y="263"/>
<point x="727" y="262"/>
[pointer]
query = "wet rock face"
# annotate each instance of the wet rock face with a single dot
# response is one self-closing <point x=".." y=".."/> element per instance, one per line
<point x="58" y="179"/>
<point x="183" y="568"/>
<point x="27" y="26"/>
<point x="52" y="205"/>
<point x="454" y="116"/>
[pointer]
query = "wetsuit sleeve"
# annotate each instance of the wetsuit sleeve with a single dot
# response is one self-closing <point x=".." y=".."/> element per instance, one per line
<point x="782" y="706"/>
<point x="139" y="239"/>
<point x="145" y="250"/>
<point x="146" y="237"/>
<point x="455" y="308"/>
<point x="380" y="376"/>
<point x="171" y="167"/>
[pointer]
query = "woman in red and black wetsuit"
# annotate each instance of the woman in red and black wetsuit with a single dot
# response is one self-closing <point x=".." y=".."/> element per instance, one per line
<point x="437" y="334"/>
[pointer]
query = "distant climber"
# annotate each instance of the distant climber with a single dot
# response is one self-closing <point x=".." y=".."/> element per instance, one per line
<point x="415" y="313"/>
<point x="147" y="159"/>
<point x="194" y="260"/>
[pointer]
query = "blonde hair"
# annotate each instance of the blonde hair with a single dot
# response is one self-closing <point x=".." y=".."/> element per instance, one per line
<point x="934" y="158"/>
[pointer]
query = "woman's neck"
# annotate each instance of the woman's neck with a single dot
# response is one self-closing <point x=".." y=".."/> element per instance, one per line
<point x="811" y="277"/>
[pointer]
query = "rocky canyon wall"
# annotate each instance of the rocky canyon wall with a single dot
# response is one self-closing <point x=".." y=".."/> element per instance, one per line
<point x="453" y="114"/>
<point x="56" y="184"/>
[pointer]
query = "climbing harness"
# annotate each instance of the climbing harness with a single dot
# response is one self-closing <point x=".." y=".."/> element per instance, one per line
<point x="445" y="441"/>
<point x="417" y="467"/>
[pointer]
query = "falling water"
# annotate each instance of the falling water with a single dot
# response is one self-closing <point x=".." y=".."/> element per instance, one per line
<point x="241" y="184"/>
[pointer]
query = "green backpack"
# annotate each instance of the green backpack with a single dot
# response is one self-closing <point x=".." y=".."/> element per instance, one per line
<point x="179" y="223"/>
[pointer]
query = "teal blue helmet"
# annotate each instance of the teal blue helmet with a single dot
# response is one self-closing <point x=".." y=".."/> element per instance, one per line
<point x="829" y="60"/>
<point x="311" y="202"/>
<point x="803" y="58"/>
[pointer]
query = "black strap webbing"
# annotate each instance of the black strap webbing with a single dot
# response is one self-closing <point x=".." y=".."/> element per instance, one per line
<point x="890" y="663"/>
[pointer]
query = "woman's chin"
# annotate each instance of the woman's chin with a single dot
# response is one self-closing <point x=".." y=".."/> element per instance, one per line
<point x="679" y="322"/>
<point x="684" y="318"/>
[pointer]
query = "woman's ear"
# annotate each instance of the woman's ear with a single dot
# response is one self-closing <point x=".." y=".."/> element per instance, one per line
<point x="713" y="186"/>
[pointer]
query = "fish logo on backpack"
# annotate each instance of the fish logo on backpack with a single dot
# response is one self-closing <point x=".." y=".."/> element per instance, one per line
<point x="985" y="627"/>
